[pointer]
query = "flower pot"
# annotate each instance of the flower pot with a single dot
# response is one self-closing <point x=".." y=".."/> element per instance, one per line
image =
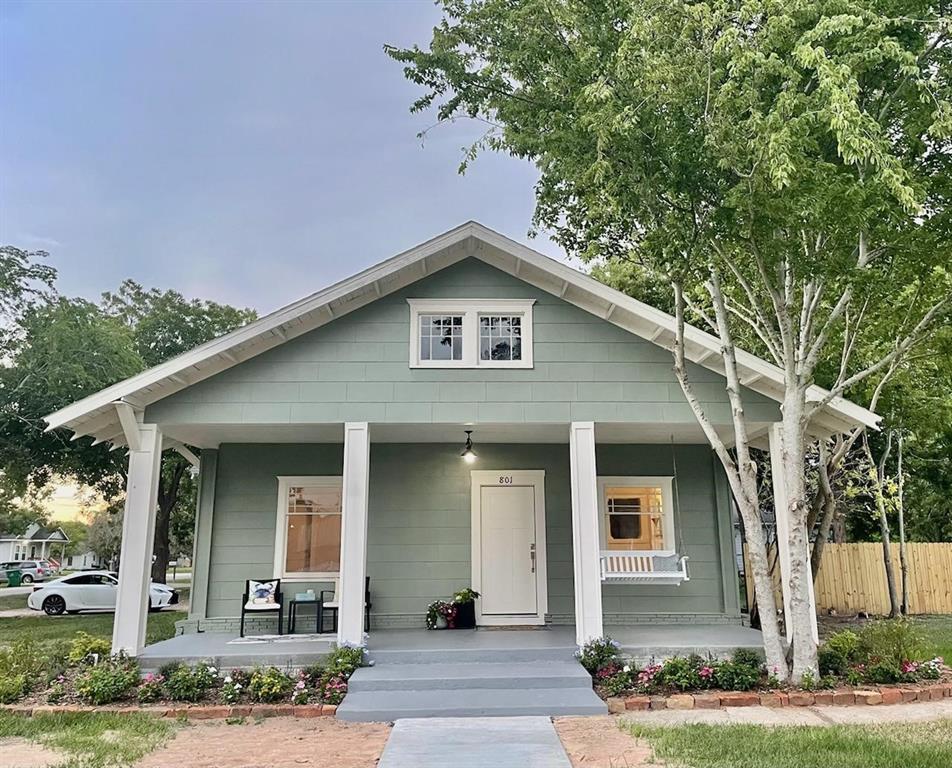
<point x="465" y="615"/>
<point x="441" y="622"/>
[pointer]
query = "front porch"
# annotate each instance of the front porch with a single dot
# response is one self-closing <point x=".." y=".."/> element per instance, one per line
<point x="642" y="643"/>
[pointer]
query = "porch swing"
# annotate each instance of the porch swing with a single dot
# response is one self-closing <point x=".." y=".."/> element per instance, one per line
<point x="647" y="568"/>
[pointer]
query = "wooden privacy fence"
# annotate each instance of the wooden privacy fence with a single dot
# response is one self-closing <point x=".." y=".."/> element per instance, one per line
<point x="852" y="578"/>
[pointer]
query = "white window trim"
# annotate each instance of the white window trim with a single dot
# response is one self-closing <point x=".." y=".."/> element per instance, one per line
<point x="667" y="520"/>
<point x="285" y="483"/>
<point x="470" y="309"/>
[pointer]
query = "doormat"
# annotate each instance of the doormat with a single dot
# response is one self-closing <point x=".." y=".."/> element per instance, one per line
<point x="277" y="639"/>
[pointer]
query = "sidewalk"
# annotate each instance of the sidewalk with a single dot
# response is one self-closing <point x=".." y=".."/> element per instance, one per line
<point x="894" y="713"/>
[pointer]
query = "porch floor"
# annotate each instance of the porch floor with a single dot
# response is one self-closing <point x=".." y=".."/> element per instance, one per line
<point x="642" y="642"/>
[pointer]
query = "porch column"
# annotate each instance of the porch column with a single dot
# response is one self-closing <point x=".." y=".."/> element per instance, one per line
<point x="782" y="515"/>
<point x="585" y="545"/>
<point x="202" y="538"/>
<point x="138" y="532"/>
<point x="353" y="533"/>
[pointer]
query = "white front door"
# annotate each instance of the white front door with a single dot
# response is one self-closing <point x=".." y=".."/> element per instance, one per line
<point x="508" y="547"/>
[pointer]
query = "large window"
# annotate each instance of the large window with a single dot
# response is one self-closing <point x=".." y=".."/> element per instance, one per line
<point x="307" y="541"/>
<point x="470" y="333"/>
<point x="636" y="514"/>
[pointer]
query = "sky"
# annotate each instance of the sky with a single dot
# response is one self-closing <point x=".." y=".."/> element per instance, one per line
<point x="245" y="152"/>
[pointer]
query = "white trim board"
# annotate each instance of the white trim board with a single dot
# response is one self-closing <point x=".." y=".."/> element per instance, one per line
<point x="508" y="479"/>
<point x="97" y="416"/>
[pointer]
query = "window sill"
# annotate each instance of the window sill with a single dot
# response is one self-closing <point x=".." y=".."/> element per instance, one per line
<point x="305" y="577"/>
<point x="488" y="364"/>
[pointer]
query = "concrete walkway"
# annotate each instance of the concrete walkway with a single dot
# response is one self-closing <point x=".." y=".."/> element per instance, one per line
<point x="474" y="742"/>
<point x="896" y="713"/>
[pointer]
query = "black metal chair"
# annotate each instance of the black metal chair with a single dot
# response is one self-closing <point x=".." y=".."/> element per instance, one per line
<point x="333" y="605"/>
<point x="273" y="605"/>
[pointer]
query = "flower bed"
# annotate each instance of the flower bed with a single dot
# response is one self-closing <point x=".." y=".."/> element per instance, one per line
<point x="880" y="664"/>
<point x="82" y="675"/>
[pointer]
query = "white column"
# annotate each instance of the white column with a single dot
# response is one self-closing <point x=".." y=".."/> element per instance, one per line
<point x="138" y="533"/>
<point x="585" y="544"/>
<point x="782" y="515"/>
<point x="353" y="534"/>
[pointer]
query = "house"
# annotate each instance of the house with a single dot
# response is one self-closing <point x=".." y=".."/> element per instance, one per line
<point x="331" y="432"/>
<point x="81" y="561"/>
<point x="35" y="543"/>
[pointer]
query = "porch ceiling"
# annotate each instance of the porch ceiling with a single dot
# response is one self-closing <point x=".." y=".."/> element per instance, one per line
<point x="213" y="435"/>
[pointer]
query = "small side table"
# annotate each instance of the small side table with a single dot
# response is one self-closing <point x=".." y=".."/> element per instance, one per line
<point x="293" y="607"/>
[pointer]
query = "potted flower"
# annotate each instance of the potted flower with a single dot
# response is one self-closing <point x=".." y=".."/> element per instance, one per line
<point x="465" y="602"/>
<point x="440" y="615"/>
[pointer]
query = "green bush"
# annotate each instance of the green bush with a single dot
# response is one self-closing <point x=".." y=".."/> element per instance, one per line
<point x="270" y="685"/>
<point x="748" y="657"/>
<point x="884" y="671"/>
<point x="85" y="645"/>
<point x="190" y="683"/>
<point x="598" y="653"/>
<point x="891" y="641"/>
<point x="681" y="673"/>
<point x="734" y="676"/>
<point x="23" y="657"/>
<point x="13" y="687"/>
<point x="108" y="681"/>
<point x="343" y="661"/>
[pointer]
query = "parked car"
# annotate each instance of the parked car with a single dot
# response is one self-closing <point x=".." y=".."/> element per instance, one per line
<point x="32" y="570"/>
<point x="91" y="591"/>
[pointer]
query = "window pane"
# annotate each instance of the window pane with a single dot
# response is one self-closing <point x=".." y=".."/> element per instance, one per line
<point x="313" y="530"/>
<point x="500" y="337"/>
<point x="635" y="519"/>
<point x="441" y="337"/>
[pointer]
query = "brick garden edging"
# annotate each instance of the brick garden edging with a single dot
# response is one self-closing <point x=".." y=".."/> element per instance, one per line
<point x="196" y="712"/>
<point x="841" y="697"/>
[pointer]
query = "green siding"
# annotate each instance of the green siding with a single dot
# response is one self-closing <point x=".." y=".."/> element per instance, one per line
<point x="419" y="530"/>
<point x="356" y="368"/>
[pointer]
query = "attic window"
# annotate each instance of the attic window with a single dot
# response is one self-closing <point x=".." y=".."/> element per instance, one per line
<point x="470" y="333"/>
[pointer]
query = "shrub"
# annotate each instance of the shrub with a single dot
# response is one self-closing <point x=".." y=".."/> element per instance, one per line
<point x="467" y="595"/>
<point x="109" y="681"/>
<point x="732" y="676"/>
<point x="884" y="671"/>
<point x="56" y="691"/>
<point x="891" y="641"/>
<point x="190" y="683"/>
<point x="301" y="693"/>
<point x="169" y="667"/>
<point x="234" y="685"/>
<point x="150" y="689"/>
<point x="598" y="653"/>
<point x="343" y="661"/>
<point x="23" y="657"/>
<point x="618" y="682"/>
<point x="85" y="645"/>
<point x="270" y="685"/>
<point x="748" y="657"/>
<point x="680" y="673"/>
<point x="13" y="687"/>
<point x="334" y="690"/>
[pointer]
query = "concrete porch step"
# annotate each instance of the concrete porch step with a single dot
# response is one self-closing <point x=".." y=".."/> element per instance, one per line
<point x="464" y="655"/>
<point x="386" y="706"/>
<point x="448" y="676"/>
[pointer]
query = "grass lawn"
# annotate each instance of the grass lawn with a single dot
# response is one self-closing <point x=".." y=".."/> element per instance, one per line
<point x="43" y="628"/>
<point x="923" y="745"/>
<point x="11" y="602"/>
<point x="938" y="634"/>
<point x="90" y="740"/>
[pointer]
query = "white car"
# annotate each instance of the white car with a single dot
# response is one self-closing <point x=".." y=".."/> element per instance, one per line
<point x="90" y="591"/>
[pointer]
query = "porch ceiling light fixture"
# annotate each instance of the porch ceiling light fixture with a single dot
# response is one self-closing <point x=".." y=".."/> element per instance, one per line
<point x="468" y="454"/>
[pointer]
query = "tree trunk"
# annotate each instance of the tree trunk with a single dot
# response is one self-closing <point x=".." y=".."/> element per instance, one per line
<point x="878" y="492"/>
<point x="168" y="495"/>
<point x="827" y="507"/>
<point x="903" y="563"/>
<point x="802" y="608"/>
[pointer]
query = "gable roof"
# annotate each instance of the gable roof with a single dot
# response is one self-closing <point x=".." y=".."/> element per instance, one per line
<point x="36" y="532"/>
<point x="97" y="414"/>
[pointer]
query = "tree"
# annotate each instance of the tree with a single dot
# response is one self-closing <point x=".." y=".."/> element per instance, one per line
<point x="24" y="282"/>
<point x="165" y="324"/>
<point x="105" y="535"/>
<point x="783" y="163"/>
<point x="65" y="349"/>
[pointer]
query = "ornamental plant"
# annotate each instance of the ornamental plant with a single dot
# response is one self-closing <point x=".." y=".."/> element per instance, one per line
<point x="440" y="608"/>
<point x="87" y="648"/>
<point x="467" y="595"/>
<point x="233" y="685"/>
<point x="598" y="653"/>
<point x="270" y="685"/>
<point x="191" y="683"/>
<point x="150" y="689"/>
<point x="334" y="690"/>
<point x="108" y="681"/>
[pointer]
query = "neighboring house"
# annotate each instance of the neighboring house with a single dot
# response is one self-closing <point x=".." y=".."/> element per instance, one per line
<point x="37" y="542"/>
<point x="82" y="561"/>
<point x="331" y="434"/>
